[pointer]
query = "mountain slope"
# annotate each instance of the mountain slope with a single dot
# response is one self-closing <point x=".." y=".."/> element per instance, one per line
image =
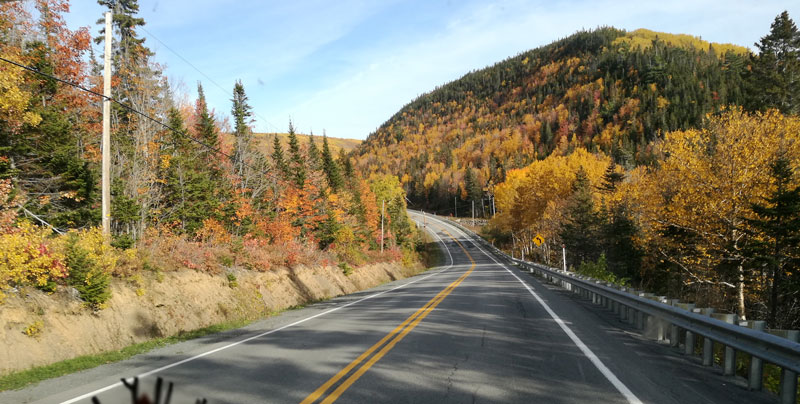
<point x="604" y="90"/>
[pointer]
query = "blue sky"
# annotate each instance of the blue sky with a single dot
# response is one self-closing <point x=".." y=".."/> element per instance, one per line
<point x="347" y="65"/>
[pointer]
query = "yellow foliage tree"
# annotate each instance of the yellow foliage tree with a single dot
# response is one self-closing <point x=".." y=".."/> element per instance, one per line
<point x="695" y="207"/>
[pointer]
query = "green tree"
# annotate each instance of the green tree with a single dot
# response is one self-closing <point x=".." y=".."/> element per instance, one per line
<point x="190" y="194"/>
<point x="775" y="78"/>
<point x="297" y="166"/>
<point x="277" y="156"/>
<point x="777" y="245"/>
<point x="580" y="229"/>
<point x="241" y="130"/>
<point x="347" y="168"/>
<point x="313" y="154"/>
<point x="204" y="127"/>
<point x="471" y="186"/>
<point x="330" y="167"/>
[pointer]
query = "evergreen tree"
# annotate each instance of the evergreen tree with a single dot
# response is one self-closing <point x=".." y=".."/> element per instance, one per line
<point x="296" y="164"/>
<point x="611" y="179"/>
<point x="777" y="245"/>
<point x="241" y="129"/>
<point x="313" y="154"/>
<point x="330" y="167"/>
<point x="580" y="231"/>
<point x="775" y="78"/>
<point x="204" y="128"/>
<point x="277" y="156"/>
<point x="347" y="167"/>
<point x="474" y="192"/>
<point x="190" y="194"/>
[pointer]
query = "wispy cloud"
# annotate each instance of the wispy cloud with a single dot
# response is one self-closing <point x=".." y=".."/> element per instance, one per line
<point x="348" y="65"/>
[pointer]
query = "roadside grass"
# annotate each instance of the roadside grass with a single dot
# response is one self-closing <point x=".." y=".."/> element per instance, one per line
<point x="18" y="380"/>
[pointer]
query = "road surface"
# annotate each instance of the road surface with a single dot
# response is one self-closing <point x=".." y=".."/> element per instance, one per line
<point x="473" y="330"/>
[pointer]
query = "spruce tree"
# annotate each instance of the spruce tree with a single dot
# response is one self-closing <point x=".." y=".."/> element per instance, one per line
<point x="330" y="167"/>
<point x="313" y="154"/>
<point x="241" y="130"/>
<point x="190" y="193"/>
<point x="775" y="78"/>
<point x="204" y="128"/>
<point x="580" y="230"/>
<point x="777" y="245"/>
<point x="277" y="156"/>
<point x="296" y="164"/>
<point x="347" y="168"/>
<point x="474" y="192"/>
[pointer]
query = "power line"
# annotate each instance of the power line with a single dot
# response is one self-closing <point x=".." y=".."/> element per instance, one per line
<point x="129" y="108"/>
<point x="204" y="75"/>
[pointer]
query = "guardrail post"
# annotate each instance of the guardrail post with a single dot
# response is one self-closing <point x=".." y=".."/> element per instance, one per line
<point x="788" y="377"/>
<point x="729" y="364"/>
<point x="674" y="337"/>
<point x="755" y="377"/>
<point x="641" y="317"/>
<point x="708" y="343"/>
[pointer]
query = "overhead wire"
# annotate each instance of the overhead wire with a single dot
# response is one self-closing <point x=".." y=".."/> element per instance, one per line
<point x="131" y="109"/>
<point x="203" y="74"/>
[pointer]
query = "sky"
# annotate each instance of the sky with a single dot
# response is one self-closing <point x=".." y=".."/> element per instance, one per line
<point x="346" y="66"/>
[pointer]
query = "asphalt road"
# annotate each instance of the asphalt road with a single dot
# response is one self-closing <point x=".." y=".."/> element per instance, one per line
<point x="473" y="330"/>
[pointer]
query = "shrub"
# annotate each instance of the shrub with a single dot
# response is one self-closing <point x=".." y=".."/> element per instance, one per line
<point x="346" y="269"/>
<point x="27" y="258"/>
<point x="232" y="280"/>
<point x="34" y="329"/>
<point x="599" y="271"/>
<point x="86" y="274"/>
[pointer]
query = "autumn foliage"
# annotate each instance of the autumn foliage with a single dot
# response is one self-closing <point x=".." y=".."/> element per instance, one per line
<point x="190" y="190"/>
<point x="692" y="211"/>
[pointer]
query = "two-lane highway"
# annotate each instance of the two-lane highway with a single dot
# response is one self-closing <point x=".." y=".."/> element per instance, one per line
<point x="473" y="330"/>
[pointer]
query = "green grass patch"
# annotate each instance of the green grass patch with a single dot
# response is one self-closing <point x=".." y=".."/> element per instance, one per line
<point x="18" y="380"/>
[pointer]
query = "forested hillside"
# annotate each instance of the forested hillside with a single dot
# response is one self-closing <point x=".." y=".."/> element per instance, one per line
<point x="657" y="160"/>
<point x="604" y="90"/>
<point x="186" y="192"/>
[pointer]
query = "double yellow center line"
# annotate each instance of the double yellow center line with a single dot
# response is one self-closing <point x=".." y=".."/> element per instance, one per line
<point x="370" y="356"/>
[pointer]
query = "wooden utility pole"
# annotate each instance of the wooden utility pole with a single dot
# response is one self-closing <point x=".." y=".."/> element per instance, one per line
<point x="455" y="206"/>
<point x="383" y="206"/>
<point x="106" y="142"/>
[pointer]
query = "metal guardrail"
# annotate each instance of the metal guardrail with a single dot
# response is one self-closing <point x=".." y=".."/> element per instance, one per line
<point x="642" y="309"/>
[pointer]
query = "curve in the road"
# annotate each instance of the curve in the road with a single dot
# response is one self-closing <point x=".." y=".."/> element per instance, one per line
<point x="608" y="374"/>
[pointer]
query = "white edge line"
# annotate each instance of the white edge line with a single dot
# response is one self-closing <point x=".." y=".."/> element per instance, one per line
<point x="181" y="362"/>
<point x="627" y="393"/>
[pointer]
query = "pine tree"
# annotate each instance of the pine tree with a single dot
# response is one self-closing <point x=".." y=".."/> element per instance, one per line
<point x="775" y="78"/>
<point x="330" y="167"/>
<point x="777" y="246"/>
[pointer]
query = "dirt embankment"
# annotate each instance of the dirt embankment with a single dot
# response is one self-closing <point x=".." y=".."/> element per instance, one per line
<point x="38" y="329"/>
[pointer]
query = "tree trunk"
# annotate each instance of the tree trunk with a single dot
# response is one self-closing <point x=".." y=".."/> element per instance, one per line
<point x="740" y="287"/>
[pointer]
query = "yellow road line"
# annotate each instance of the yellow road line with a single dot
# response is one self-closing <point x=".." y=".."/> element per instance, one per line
<point x="393" y="337"/>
